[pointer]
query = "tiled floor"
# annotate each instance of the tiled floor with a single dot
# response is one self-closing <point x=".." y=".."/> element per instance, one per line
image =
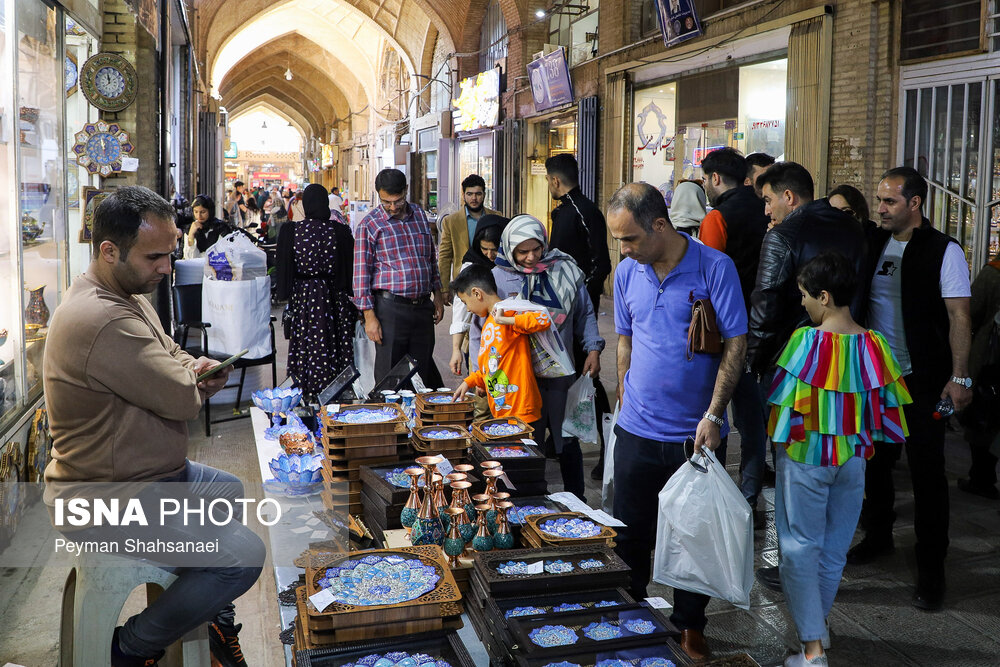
<point x="872" y="621"/>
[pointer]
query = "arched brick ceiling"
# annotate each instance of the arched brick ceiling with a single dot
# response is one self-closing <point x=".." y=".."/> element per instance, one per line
<point x="309" y="71"/>
<point x="267" y="104"/>
<point x="275" y="76"/>
<point x="312" y="117"/>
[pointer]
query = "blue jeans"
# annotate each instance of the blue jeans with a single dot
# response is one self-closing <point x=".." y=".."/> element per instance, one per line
<point x="200" y="594"/>
<point x="816" y="514"/>
<point x="750" y="419"/>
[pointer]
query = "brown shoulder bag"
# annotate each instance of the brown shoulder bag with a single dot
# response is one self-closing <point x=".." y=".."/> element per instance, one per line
<point x="703" y="333"/>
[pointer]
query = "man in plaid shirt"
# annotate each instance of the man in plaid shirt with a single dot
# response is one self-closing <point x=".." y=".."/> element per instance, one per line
<point x="395" y="275"/>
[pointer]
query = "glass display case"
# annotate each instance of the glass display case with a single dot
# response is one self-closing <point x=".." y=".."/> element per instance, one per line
<point x="37" y="77"/>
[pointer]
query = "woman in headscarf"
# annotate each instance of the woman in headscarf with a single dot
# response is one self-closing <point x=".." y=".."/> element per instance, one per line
<point x="314" y="274"/>
<point x="482" y="251"/>
<point x="526" y="267"/>
<point x="205" y="230"/>
<point x="687" y="208"/>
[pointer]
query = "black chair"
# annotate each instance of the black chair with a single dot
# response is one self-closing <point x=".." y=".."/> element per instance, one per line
<point x="187" y="316"/>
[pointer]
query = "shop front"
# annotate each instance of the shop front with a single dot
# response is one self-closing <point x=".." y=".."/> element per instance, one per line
<point x="476" y="120"/>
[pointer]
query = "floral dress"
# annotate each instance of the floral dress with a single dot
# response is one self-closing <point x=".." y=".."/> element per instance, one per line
<point x="314" y="275"/>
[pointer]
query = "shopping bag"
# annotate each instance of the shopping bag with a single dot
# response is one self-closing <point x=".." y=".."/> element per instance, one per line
<point x="580" y="419"/>
<point x="235" y="257"/>
<point x="364" y="358"/>
<point x="608" y="485"/>
<point x="704" y="535"/>
<point x="549" y="357"/>
<point x="239" y="312"/>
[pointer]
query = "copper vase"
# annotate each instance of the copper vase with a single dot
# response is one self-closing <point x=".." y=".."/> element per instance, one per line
<point x="412" y="506"/>
<point x="428" y="529"/>
<point x="36" y="312"/>
<point x="503" y="539"/>
<point x="454" y="543"/>
<point x="483" y="541"/>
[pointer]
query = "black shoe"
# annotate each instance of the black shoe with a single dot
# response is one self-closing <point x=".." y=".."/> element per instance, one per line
<point x="988" y="492"/>
<point x="770" y="577"/>
<point x="929" y="597"/>
<point x="759" y="519"/>
<point x="869" y="550"/>
<point x="119" y="659"/>
<point x="225" y="644"/>
<point x="598" y="472"/>
<point x="768" y="478"/>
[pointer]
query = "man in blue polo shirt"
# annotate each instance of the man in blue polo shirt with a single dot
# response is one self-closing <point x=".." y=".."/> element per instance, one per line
<point x="665" y="396"/>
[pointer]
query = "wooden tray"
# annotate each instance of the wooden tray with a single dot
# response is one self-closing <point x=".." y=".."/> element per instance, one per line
<point x="481" y="436"/>
<point x="427" y="605"/>
<point x="400" y="438"/>
<point x="340" y="503"/>
<point x="385" y="516"/>
<point x="667" y="649"/>
<point x="423" y="405"/>
<point x="354" y="465"/>
<point x="534" y="462"/>
<point x="347" y="456"/>
<point x="522" y="626"/>
<point x="498" y="653"/>
<point x="444" y="419"/>
<point x="493" y="584"/>
<point x="424" y="444"/>
<point x="532" y="526"/>
<point x="335" y="429"/>
<point x="373" y="479"/>
<point x="445" y="645"/>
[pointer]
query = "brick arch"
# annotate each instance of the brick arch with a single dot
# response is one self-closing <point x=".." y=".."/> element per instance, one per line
<point x="275" y="75"/>
<point x="276" y="107"/>
<point x="310" y="116"/>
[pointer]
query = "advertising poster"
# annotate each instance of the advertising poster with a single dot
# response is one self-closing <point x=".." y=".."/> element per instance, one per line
<point x="678" y="21"/>
<point x="551" y="85"/>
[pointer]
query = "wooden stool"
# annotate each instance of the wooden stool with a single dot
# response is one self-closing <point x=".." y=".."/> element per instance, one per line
<point x="92" y="601"/>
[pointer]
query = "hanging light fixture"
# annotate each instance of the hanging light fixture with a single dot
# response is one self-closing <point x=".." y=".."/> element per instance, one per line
<point x="263" y="125"/>
<point x="288" y="69"/>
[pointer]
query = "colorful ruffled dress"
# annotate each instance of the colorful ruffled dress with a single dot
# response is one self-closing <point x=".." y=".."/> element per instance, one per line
<point x="835" y="395"/>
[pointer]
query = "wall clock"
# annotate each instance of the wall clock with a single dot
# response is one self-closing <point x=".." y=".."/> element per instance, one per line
<point x="108" y="81"/>
<point x="100" y="146"/>
<point x="72" y="74"/>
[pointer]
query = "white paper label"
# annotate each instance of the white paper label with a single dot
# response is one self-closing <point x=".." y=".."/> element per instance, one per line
<point x="333" y="408"/>
<point x="658" y="603"/>
<point x="571" y="502"/>
<point x="529" y="441"/>
<point x="445" y="467"/>
<point x="130" y="163"/>
<point x="322" y="600"/>
<point x="535" y="568"/>
<point x="312" y="522"/>
<point x="418" y="384"/>
<point x="301" y="529"/>
<point x="600" y="516"/>
<point x="318" y="535"/>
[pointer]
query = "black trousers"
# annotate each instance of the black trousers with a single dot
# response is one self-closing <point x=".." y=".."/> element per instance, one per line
<point x="642" y="467"/>
<point x="406" y="329"/>
<point x="553" y="393"/>
<point x="925" y="458"/>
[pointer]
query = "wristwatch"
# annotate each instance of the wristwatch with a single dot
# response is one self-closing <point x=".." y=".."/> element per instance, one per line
<point x="712" y="418"/>
<point x="965" y="382"/>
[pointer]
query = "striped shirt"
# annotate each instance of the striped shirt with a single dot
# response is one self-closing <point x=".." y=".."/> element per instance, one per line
<point x="396" y="256"/>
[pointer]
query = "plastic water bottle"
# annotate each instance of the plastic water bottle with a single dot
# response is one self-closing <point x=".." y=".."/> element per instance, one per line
<point x="944" y="408"/>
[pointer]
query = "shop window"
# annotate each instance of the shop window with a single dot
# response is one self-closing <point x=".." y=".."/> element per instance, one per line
<point x="935" y="28"/>
<point x="574" y="25"/>
<point x="492" y="37"/>
<point x="993" y="26"/>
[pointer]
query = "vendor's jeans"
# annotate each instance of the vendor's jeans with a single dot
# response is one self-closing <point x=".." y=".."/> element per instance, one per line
<point x="553" y="393"/>
<point x="750" y="419"/>
<point x="200" y="594"/>
<point x="816" y="514"/>
<point x="642" y="467"/>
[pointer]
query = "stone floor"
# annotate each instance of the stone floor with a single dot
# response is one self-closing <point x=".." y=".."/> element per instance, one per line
<point x="872" y="620"/>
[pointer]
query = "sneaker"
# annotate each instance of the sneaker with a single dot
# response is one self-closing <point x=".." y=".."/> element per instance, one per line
<point x="120" y="659"/>
<point x="770" y="577"/>
<point x="869" y="550"/>
<point x="225" y="644"/>
<point x="800" y="660"/>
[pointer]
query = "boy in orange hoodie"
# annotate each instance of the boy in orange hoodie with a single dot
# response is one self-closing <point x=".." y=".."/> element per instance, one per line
<point x="504" y="358"/>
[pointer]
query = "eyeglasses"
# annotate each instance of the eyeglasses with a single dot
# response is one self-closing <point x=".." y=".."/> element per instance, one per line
<point x="394" y="204"/>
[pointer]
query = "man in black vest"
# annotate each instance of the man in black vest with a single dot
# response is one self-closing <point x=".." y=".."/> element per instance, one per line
<point x="736" y="226"/>
<point x="919" y="299"/>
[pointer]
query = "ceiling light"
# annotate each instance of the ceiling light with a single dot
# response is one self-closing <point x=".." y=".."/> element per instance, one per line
<point x="288" y="74"/>
<point x="263" y="125"/>
<point x="540" y="13"/>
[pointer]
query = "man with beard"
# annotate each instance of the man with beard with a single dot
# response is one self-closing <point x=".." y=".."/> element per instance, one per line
<point x="458" y="229"/>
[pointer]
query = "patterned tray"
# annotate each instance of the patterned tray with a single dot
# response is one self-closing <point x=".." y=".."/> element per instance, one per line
<point x="594" y="629"/>
<point x="444" y="648"/>
<point x="530" y="460"/>
<point x="540" y="526"/>
<point x="613" y="573"/>
<point x="439" y="402"/>
<point x="662" y="654"/>
<point x="339" y="423"/>
<point x="508" y="428"/>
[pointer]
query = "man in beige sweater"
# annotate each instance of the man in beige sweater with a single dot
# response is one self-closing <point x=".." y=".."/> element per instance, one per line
<point x="119" y="392"/>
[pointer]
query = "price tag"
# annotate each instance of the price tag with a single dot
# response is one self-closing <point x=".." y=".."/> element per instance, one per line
<point x="571" y="502"/>
<point x="506" y="480"/>
<point x="600" y="516"/>
<point x="529" y="441"/>
<point x="130" y="163"/>
<point x="418" y="384"/>
<point x="445" y="467"/>
<point x="333" y="409"/>
<point x="322" y="600"/>
<point x="534" y="568"/>
<point x="658" y="603"/>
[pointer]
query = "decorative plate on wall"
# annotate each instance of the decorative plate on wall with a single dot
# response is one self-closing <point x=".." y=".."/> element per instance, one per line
<point x="100" y="147"/>
<point x="72" y="74"/>
<point x="108" y="81"/>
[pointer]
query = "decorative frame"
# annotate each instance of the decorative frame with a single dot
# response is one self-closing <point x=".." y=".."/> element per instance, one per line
<point x="72" y="183"/>
<point x="91" y="130"/>
<point x="92" y="197"/>
<point x="71" y="60"/>
<point x="88" y="83"/>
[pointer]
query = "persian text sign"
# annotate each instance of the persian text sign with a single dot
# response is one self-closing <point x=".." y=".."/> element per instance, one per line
<point x="478" y="105"/>
<point x="551" y="85"/>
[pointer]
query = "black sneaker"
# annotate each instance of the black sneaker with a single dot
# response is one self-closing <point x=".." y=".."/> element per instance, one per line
<point x="869" y="550"/>
<point x="119" y="659"/>
<point x="769" y="576"/>
<point x="225" y="644"/>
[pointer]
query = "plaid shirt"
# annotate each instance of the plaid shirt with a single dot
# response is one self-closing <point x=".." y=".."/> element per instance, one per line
<point x="397" y="256"/>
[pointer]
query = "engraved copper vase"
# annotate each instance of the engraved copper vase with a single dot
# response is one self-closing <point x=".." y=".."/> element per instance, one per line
<point x="36" y="312"/>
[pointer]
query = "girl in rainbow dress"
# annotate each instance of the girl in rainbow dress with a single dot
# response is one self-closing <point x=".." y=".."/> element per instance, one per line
<point x="836" y="393"/>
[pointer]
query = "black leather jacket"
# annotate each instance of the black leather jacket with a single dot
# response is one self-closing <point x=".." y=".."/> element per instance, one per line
<point x="776" y="304"/>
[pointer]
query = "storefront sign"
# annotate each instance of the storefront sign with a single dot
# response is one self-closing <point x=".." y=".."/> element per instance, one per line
<point x="538" y="168"/>
<point x="232" y="152"/>
<point x="269" y="175"/>
<point x="478" y="105"/>
<point x="678" y="21"/>
<point x="551" y="85"/>
<point x="327" y="153"/>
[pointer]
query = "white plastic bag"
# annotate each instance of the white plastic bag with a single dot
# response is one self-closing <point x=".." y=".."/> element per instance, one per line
<point x="608" y="485"/>
<point x="364" y="358"/>
<point x="704" y="536"/>
<point x="549" y="358"/>
<point x="580" y="419"/>
<point x="235" y="257"/>
<point x="240" y="314"/>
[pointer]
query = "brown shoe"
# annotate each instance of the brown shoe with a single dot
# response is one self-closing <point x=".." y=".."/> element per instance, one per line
<point x="694" y="644"/>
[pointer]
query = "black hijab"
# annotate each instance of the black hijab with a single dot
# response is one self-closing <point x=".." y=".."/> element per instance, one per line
<point x="316" y="202"/>
<point x="486" y="222"/>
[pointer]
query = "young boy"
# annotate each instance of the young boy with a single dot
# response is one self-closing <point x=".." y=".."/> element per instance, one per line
<point x="504" y="356"/>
